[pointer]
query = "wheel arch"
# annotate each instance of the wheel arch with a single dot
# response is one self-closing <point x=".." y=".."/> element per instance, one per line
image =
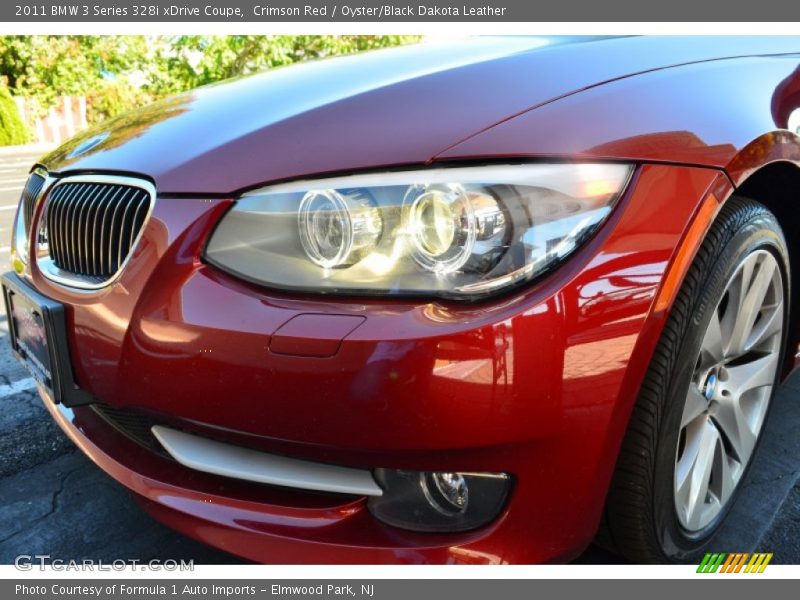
<point x="776" y="185"/>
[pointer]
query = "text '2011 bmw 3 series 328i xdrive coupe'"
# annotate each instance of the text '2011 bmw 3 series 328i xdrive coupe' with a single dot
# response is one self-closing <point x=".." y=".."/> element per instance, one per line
<point x="463" y="302"/>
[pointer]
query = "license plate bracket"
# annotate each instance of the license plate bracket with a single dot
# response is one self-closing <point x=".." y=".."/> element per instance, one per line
<point x="38" y="332"/>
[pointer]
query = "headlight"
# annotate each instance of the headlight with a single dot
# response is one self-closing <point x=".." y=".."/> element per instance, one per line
<point x="456" y="232"/>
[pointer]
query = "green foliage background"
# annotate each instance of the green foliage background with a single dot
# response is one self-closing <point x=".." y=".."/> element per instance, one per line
<point x="117" y="73"/>
<point x="12" y="129"/>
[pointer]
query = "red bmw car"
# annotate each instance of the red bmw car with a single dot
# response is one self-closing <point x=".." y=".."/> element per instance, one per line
<point x="465" y="302"/>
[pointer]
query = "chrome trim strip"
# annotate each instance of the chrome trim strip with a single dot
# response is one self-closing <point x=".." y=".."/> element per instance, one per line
<point x="52" y="272"/>
<point x="210" y="456"/>
<point x="28" y="218"/>
<point x="22" y="231"/>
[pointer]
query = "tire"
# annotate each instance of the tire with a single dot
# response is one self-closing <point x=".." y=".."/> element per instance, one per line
<point x="656" y="510"/>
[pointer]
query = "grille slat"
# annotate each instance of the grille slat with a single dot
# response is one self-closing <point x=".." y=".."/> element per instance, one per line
<point x="63" y="224"/>
<point x="113" y="235"/>
<point x="80" y="239"/>
<point x="139" y="218"/>
<point x="72" y="221"/>
<point x="60" y="222"/>
<point x="125" y="228"/>
<point x="83" y="232"/>
<point x="92" y="226"/>
<point x="64" y="227"/>
<point x="88" y="240"/>
<point x="115" y="230"/>
<point x="67" y="227"/>
<point x="51" y="215"/>
<point x="91" y="237"/>
<point x="105" y="232"/>
<point x="77" y="238"/>
<point x="99" y="232"/>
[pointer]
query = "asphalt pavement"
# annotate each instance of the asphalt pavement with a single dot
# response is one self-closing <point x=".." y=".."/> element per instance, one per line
<point x="54" y="501"/>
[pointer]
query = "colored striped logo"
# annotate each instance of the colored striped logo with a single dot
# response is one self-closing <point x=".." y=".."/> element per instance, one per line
<point x="738" y="562"/>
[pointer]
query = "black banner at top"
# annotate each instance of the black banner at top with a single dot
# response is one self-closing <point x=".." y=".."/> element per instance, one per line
<point x="377" y="11"/>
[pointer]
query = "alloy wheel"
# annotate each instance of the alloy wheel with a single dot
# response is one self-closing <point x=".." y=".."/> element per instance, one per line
<point x="729" y="395"/>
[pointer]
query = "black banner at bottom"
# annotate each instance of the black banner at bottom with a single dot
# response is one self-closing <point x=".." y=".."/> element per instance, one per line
<point x="728" y="587"/>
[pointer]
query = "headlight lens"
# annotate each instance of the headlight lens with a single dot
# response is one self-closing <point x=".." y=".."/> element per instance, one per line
<point x="337" y="228"/>
<point x="456" y="232"/>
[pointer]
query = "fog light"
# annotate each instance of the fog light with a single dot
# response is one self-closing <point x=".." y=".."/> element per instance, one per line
<point x="447" y="492"/>
<point x="439" y="501"/>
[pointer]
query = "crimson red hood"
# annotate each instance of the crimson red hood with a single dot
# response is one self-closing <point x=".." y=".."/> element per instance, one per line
<point x="391" y="107"/>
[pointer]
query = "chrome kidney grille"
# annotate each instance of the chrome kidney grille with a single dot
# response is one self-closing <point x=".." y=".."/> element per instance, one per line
<point x="90" y="226"/>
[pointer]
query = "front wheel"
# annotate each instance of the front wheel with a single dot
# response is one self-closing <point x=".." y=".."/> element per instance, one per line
<point x="698" y="419"/>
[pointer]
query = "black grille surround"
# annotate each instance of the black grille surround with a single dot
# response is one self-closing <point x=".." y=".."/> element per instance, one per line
<point x="30" y="193"/>
<point x="91" y="225"/>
